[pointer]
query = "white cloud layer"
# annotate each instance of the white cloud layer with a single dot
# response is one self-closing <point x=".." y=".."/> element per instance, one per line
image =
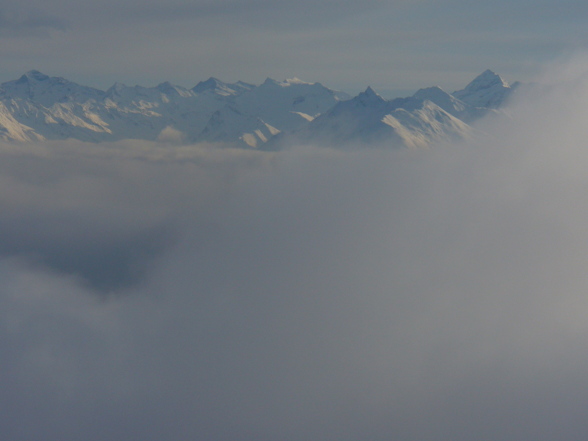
<point x="154" y="291"/>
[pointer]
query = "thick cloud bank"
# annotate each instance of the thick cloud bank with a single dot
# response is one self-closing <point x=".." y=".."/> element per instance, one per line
<point x="156" y="292"/>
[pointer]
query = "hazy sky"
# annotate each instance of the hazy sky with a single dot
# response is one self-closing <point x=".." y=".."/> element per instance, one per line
<point x="396" y="46"/>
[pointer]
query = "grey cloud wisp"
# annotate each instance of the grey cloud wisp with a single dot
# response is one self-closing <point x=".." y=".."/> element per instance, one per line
<point x="309" y="294"/>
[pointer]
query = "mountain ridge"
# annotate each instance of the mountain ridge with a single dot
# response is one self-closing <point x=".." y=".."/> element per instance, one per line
<point x="36" y="107"/>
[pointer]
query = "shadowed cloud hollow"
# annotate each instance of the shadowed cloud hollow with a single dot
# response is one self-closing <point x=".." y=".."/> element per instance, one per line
<point x="309" y="294"/>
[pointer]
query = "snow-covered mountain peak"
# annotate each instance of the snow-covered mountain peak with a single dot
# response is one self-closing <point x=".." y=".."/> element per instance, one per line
<point x="39" y="81"/>
<point x="488" y="90"/>
<point x="270" y="82"/>
<point x="35" y="80"/>
<point x="428" y="92"/>
<point x="121" y="92"/>
<point x="47" y="91"/>
<point x="33" y="75"/>
<point x="166" y="85"/>
<point x="116" y="88"/>
<point x="369" y="96"/>
<point x="210" y="84"/>
<point x="168" y="88"/>
<point x="216" y="86"/>
<point x="443" y="99"/>
<point x="486" y="80"/>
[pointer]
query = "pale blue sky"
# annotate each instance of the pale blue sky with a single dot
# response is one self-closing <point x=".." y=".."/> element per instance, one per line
<point x="395" y="46"/>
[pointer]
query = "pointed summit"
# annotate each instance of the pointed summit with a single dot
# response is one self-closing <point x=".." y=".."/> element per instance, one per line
<point x="270" y="82"/>
<point x="218" y="87"/>
<point x="164" y="85"/>
<point x="210" y="84"/>
<point x="486" y="80"/>
<point x="33" y="75"/>
<point x="116" y="89"/>
<point x="42" y="89"/>
<point x="369" y="97"/>
<point x="429" y="93"/>
<point x="488" y="90"/>
<point x="168" y="88"/>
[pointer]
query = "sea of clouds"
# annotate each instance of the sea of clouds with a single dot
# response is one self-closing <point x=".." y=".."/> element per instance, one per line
<point x="153" y="291"/>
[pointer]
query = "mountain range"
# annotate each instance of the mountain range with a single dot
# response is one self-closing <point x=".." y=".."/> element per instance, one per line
<point x="37" y="107"/>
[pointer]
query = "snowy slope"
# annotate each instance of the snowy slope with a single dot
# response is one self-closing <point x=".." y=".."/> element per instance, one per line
<point x="141" y="113"/>
<point x="221" y="88"/>
<point x="45" y="90"/>
<point x="12" y="130"/>
<point x="230" y="125"/>
<point x="452" y="105"/>
<point x="259" y="113"/>
<point x="288" y="104"/>
<point x="425" y="124"/>
<point x="370" y="119"/>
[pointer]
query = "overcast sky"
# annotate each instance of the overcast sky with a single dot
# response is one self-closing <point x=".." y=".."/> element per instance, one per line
<point x="395" y="46"/>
